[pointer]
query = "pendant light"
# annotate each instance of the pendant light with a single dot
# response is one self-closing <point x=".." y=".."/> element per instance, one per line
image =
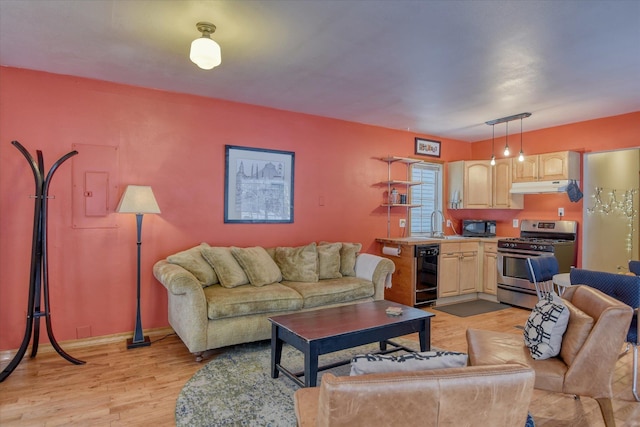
<point x="205" y="52"/>
<point x="521" y="156"/>
<point x="506" y="120"/>
<point x="493" y="140"/>
<point x="506" y="142"/>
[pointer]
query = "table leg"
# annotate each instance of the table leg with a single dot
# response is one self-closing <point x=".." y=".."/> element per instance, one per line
<point x="310" y="366"/>
<point x="276" y="351"/>
<point x="425" y="335"/>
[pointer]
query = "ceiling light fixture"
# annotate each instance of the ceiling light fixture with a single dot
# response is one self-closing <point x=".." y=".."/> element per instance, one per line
<point x="205" y="52"/>
<point x="521" y="156"/>
<point x="493" y="140"/>
<point x="506" y="142"/>
<point x="507" y="120"/>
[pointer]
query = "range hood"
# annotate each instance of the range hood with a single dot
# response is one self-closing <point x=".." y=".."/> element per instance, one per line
<point x="540" y="187"/>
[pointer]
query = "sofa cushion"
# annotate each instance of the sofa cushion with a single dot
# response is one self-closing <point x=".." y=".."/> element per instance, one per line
<point x="259" y="267"/>
<point x="381" y="363"/>
<point x="227" y="268"/>
<point x="298" y="263"/>
<point x="545" y="327"/>
<point x="578" y="329"/>
<point x="332" y="291"/>
<point x="496" y="348"/>
<point x="192" y="261"/>
<point x="348" y="254"/>
<point x="329" y="260"/>
<point x="246" y="300"/>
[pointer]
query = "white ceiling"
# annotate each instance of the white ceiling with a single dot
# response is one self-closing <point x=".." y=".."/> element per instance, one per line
<point x="434" y="67"/>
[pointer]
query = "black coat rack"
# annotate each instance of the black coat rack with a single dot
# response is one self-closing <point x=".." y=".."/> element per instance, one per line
<point x="39" y="276"/>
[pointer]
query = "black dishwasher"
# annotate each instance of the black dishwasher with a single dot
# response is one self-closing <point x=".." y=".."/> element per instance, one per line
<point x="427" y="274"/>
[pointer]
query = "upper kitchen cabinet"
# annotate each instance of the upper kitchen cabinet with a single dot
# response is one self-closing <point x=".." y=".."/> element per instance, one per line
<point x="547" y="167"/>
<point x="475" y="184"/>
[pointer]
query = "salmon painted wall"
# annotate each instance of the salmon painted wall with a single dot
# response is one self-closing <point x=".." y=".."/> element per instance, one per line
<point x="175" y="143"/>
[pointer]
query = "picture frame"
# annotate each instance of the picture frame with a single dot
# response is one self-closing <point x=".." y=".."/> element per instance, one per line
<point x="427" y="147"/>
<point x="258" y="185"/>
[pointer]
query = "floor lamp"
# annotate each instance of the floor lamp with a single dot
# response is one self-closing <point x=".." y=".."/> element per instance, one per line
<point x="138" y="199"/>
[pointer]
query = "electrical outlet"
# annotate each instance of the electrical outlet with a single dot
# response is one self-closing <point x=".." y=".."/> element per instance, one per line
<point x="403" y="223"/>
<point x="515" y="223"/>
<point x="448" y="223"/>
<point x="560" y="212"/>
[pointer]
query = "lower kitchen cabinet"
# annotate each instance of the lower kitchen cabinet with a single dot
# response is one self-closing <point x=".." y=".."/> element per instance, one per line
<point x="457" y="269"/>
<point x="490" y="268"/>
<point x="403" y="288"/>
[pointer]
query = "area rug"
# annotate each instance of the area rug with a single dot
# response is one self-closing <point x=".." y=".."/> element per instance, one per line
<point x="472" y="308"/>
<point x="236" y="388"/>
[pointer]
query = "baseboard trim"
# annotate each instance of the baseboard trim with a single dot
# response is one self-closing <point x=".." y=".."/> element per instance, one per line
<point x="89" y="342"/>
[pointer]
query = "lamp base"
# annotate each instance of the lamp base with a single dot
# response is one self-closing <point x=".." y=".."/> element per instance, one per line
<point x="144" y="343"/>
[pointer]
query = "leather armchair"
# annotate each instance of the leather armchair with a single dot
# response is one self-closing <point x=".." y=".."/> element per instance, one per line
<point x="623" y="288"/>
<point x="496" y="396"/>
<point x="597" y="328"/>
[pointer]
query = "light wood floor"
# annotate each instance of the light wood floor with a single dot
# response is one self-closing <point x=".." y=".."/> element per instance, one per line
<point x="120" y="387"/>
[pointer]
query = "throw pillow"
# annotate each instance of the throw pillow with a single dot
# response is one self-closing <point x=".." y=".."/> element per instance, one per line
<point x="227" y="268"/>
<point x="380" y="363"/>
<point x="546" y="325"/>
<point x="259" y="267"/>
<point x="329" y="260"/>
<point x="578" y="329"/>
<point x="348" y="254"/>
<point x="192" y="260"/>
<point x="299" y="264"/>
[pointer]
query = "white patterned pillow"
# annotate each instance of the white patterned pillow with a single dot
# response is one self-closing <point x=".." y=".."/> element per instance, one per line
<point x="380" y="363"/>
<point x="546" y="326"/>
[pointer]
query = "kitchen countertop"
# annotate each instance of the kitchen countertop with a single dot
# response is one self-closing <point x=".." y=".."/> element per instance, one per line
<point x="412" y="241"/>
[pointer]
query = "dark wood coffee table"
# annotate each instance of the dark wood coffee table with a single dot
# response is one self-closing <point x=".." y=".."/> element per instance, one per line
<point x="331" y="329"/>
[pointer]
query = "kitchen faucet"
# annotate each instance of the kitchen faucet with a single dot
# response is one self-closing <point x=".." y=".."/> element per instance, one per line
<point x="433" y="216"/>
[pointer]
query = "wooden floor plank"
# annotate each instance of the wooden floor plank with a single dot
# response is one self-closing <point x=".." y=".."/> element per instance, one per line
<point x="139" y="387"/>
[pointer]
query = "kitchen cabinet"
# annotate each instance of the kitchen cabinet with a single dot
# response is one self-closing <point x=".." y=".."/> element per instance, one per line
<point x="476" y="184"/>
<point x="490" y="267"/>
<point x="547" y="167"/>
<point x="457" y="268"/>
<point x="401" y="186"/>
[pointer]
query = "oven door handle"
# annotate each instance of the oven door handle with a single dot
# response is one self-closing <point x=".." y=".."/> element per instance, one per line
<point x="522" y="253"/>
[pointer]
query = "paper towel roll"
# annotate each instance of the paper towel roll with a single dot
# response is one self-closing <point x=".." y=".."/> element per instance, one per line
<point x="389" y="250"/>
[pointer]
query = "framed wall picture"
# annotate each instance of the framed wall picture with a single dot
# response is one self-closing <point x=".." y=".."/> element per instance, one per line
<point x="427" y="147"/>
<point x="258" y="185"/>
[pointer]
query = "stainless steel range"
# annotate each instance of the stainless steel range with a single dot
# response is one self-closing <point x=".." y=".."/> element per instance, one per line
<point x="537" y="238"/>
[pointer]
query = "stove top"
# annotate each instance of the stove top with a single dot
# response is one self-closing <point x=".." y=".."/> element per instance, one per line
<point x="542" y="236"/>
<point x="534" y="244"/>
<point x="536" y="240"/>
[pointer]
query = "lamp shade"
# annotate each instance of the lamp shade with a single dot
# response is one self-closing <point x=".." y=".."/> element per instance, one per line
<point x="138" y="199"/>
<point x="205" y="53"/>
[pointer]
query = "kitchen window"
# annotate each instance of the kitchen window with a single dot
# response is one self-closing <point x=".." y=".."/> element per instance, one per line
<point x="428" y="195"/>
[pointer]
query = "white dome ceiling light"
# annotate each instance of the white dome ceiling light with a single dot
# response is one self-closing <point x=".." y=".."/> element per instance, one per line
<point x="205" y="52"/>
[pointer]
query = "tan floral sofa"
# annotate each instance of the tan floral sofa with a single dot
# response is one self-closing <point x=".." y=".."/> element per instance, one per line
<point x="221" y="296"/>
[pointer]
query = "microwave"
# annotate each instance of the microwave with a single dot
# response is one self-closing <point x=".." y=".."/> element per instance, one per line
<point x="478" y="228"/>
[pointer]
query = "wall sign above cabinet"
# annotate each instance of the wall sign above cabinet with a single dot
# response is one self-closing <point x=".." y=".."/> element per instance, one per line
<point x="427" y="147"/>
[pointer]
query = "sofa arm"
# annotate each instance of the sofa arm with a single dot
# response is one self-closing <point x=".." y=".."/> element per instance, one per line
<point x="377" y="269"/>
<point x="176" y="279"/>
<point x="187" y="304"/>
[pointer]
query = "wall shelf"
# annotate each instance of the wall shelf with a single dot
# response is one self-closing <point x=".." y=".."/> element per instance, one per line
<point x="404" y="185"/>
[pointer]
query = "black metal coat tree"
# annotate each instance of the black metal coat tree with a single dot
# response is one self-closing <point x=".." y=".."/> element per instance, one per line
<point x="39" y="276"/>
